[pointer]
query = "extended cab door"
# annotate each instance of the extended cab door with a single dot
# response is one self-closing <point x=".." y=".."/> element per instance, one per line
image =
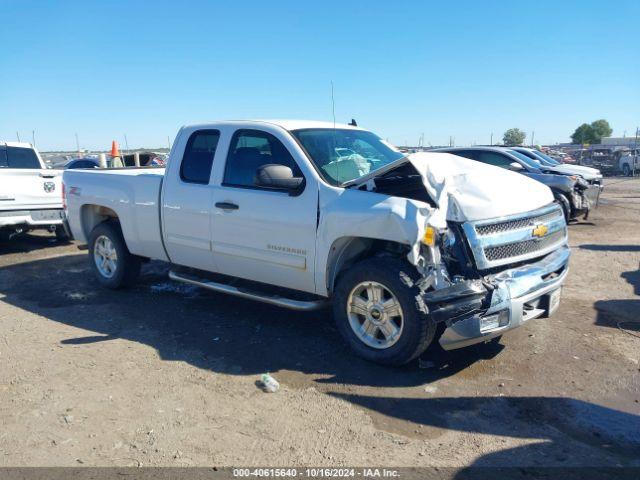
<point x="187" y="200"/>
<point x="259" y="233"/>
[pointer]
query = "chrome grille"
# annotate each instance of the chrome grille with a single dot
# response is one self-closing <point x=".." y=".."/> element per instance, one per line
<point x="517" y="238"/>
<point x="518" y="249"/>
<point x="491" y="228"/>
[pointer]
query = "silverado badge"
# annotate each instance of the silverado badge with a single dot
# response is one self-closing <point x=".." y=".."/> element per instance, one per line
<point x="540" y="230"/>
<point x="49" y="187"/>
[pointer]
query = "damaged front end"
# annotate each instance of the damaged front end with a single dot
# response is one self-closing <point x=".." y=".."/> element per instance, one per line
<point x="489" y="257"/>
<point x="499" y="274"/>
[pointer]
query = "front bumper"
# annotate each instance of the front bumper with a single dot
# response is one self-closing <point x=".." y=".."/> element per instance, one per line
<point x="519" y="294"/>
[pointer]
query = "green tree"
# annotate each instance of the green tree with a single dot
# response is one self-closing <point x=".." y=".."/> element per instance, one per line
<point x="583" y="134"/>
<point x="592" y="133"/>
<point x="514" y="136"/>
<point x="601" y="128"/>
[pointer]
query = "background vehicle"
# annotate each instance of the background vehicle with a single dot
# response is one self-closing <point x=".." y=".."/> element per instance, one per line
<point x="408" y="249"/>
<point x="547" y="164"/>
<point x="630" y="163"/>
<point x="82" y="163"/>
<point x="569" y="191"/>
<point x="30" y="194"/>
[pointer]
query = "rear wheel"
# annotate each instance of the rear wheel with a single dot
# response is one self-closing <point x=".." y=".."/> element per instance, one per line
<point x="112" y="263"/>
<point x="626" y="170"/>
<point x="376" y="313"/>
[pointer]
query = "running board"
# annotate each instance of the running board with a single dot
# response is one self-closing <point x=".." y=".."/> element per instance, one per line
<point x="244" y="293"/>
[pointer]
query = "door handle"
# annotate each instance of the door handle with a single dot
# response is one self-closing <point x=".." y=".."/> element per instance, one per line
<point x="227" y="206"/>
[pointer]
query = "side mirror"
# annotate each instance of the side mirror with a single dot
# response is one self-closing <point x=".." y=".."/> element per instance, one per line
<point x="279" y="177"/>
<point x="516" y="167"/>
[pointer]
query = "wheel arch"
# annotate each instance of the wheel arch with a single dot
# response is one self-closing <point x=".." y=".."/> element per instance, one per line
<point x="346" y="251"/>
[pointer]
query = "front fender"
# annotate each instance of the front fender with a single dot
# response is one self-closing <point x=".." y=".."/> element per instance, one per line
<point x="355" y="213"/>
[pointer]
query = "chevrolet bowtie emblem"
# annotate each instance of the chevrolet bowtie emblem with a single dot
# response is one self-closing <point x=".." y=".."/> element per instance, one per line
<point x="540" y="231"/>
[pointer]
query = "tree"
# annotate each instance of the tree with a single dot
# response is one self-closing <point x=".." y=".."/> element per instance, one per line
<point x="601" y="128"/>
<point x="514" y="136"/>
<point x="583" y="134"/>
<point x="592" y="133"/>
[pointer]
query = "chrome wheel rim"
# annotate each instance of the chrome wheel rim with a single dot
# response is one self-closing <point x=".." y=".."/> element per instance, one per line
<point x="375" y="315"/>
<point x="105" y="256"/>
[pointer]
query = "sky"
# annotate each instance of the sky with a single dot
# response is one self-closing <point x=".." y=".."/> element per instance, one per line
<point x="461" y="70"/>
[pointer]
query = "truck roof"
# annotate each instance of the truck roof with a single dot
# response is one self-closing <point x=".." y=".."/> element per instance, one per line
<point x="15" y="144"/>
<point x="286" y="124"/>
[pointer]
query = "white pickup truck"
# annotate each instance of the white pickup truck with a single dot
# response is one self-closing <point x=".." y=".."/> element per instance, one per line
<point x="407" y="249"/>
<point x="30" y="195"/>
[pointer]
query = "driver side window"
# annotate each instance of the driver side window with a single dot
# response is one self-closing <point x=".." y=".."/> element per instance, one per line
<point x="496" y="159"/>
<point x="250" y="150"/>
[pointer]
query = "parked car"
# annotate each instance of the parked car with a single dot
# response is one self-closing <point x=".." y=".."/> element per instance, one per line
<point x="82" y="163"/>
<point x="630" y="163"/>
<point x="408" y="249"/>
<point x="547" y="164"/>
<point x="30" y="194"/>
<point x="571" y="192"/>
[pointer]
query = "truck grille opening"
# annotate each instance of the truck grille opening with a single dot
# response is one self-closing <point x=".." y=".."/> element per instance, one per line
<point x="518" y="249"/>
<point x="517" y="239"/>
<point x="499" y="227"/>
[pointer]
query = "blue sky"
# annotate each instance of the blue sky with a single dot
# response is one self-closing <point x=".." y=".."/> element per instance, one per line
<point x="402" y="68"/>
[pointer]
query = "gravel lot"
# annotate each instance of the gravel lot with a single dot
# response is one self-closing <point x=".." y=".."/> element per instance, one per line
<point x="164" y="374"/>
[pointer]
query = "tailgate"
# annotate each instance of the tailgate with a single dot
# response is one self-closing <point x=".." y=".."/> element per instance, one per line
<point x="25" y="189"/>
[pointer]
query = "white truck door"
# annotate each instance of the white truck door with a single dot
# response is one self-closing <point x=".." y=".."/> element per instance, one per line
<point x="258" y="233"/>
<point x="187" y="201"/>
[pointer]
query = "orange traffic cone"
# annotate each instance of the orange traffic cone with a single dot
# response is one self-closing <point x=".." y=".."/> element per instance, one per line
<point x="114" y="149"/>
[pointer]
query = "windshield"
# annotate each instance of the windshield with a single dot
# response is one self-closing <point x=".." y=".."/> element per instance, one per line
<point x="529" y="161"/>
<point x="546" y="159"/>
<point x="342" y="155"/>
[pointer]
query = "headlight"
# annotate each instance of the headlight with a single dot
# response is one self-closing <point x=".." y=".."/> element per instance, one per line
<point x="429" y="237"/>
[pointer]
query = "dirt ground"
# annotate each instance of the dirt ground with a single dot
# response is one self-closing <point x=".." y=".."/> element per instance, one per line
<point x="164" y="374"/>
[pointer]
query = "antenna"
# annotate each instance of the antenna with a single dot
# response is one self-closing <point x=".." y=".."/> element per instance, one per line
<point x="333" y="106"/>
<point x="33" y="138"/>
<point x="333" y="112"/>
<point x="18" y="135"/>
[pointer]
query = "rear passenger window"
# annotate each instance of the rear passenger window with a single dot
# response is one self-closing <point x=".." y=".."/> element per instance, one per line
<point x="18" y="157"/>
<point x="198" y="156"/>
<point x="251" y="149"/>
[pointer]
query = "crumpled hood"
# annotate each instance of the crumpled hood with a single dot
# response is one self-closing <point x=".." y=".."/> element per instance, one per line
<point x="466" y="190"/>
<point x="586" y="172"/>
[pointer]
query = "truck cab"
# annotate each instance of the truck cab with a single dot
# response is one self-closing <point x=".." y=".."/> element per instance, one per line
<point x="407" y="249"/>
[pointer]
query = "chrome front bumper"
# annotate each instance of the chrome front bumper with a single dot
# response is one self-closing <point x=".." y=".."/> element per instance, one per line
<point x="521" y="294"/>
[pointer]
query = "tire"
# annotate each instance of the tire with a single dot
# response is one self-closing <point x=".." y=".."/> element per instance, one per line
<point x="626" y="170"/>
<point x="566" y="206"/>
<point x="61" y="235"/>
<point x="415" y="330"/>
<point x="123" y="268"/>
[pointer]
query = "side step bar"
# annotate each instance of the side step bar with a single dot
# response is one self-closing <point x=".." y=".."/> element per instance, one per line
<point x="244" y="293"/>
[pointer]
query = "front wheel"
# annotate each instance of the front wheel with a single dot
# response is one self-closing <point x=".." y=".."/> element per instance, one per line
<point x="375" y="309"/>
<point x="112" y="263"/>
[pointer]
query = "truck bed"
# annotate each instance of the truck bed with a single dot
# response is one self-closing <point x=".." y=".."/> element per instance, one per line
<point x="132" y="193"/>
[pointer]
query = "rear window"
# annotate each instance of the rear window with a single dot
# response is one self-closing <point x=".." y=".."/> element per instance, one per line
<point x="17" y="157"/>
<point x="198" y="156"/>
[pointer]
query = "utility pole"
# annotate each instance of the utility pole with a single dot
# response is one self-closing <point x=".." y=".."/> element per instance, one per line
<point x="18" y="135"/>
<point x="78" y="144"/>
<point x="533" y="134"/>
<point x="491" y="139"/>
<point x="169" y="142"/>
<point x="126" y="142"/>
<point x="635" y="152"/>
